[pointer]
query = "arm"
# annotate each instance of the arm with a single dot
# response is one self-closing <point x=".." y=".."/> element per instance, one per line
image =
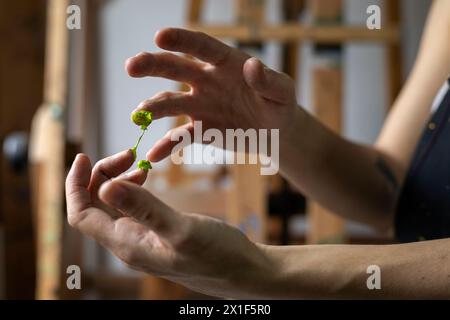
<point x="214" y="258"/>
<point x="363" y="182"/>
<point x="408" y="271"/>
<point x="411" y="110"/>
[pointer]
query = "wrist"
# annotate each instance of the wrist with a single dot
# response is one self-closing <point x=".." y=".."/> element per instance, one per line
<point x="258" y="278"/>
<point x="294" y="131"/>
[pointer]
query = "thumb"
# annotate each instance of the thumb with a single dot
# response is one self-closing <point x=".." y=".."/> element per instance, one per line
<point x="268" y="83"/>
<point x="136" y="202"/>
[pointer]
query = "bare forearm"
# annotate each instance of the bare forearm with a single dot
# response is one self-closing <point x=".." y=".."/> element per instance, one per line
<point x="355" y="181"/>
<point x="416" y="270"/>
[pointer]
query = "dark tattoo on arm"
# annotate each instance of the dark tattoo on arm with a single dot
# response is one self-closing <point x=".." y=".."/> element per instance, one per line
<point x="387" y="173"/>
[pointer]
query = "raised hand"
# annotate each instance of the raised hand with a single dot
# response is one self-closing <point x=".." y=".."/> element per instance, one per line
<point x="229" y="89"/>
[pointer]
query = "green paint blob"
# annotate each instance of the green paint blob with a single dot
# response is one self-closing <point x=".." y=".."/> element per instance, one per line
<point x="142" y="119"/>
<point x="144" y="165"/>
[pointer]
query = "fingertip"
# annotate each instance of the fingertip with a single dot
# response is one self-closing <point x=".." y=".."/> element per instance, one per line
<point x="103" y="191"/>
<point x="156" y="154"/>
<point x="80" y="172"/>
<point x="140" y="177"/>
<point x="130" y="67"/>
<point x="136" y="66"/>
<point x="137" y="176"/>
<point x="113" y="193"/>
<point x="151" y="156"/>
<point x="166" y="38"/>
<point x="127" y="64"/>
<point x="143" y="106"/>
<point x="157" y="35"/>
<point x="253" y="61"/>
<point x="81" y="157"/>
<point x="253" y="72"/>
<point x="121" y="157"/>
<point x="81" y="163"/>
<point x="130" y="154"/>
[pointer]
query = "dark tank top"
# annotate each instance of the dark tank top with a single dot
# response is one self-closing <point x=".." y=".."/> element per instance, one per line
<point x="423" y="211"/>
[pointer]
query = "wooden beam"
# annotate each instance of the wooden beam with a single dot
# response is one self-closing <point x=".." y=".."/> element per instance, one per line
<point x="47" y="155"/>
<point x="250" y="12"/>
<point x="294" y="32"/>
<point x="325" y="11"/>
<point x="291" y="12"/>
<point x="394" y="66"/>
<point x="246" y="202"/>
<point x="324" y="226"/>
<point x="194" y="11"/>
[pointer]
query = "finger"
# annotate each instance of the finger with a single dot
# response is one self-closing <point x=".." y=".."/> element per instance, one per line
<point x="268" y="83"/>
<point x="166" y="65"/>
<point x="164" y="147"/>
<point x="168" y="104"/>
<point x="196" y="44"/>
<point x="95" y="223"/>
<point x="109" y="168"/>
<point x="80" y="214"/>
<point x="137" y="176"/>
<point x="138" y="203"/>
<point x="77" y="194"/>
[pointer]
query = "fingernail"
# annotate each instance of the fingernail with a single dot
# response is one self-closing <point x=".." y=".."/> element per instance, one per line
<point x="149" y="155"/>
<point x="133" y="152"/>
<point x="121" y="154"/>
<point x="131" y="173"/>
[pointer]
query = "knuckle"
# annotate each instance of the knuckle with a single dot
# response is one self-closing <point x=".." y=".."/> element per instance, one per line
<point x="143" y="54"/>
<point x="129" y="256"/>
<point x="164" y="95"/>
<point x="144" y="105"/>
<point x="201" y="35"/>
<point x="166" y="55"/>
<point x="288" y="79"/>
<point x="98" y="167"/>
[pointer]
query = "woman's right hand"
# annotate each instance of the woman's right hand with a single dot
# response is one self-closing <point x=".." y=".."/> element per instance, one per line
<point x="229" y="89"/>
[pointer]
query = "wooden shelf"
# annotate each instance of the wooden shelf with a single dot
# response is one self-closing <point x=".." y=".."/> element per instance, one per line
<point x="295" y="32"/>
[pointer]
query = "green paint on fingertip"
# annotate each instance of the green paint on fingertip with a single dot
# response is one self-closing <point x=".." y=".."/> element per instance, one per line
<point x="142" y="118"/>
<point x="144" y="165"/>
<point x="133" y="150"/>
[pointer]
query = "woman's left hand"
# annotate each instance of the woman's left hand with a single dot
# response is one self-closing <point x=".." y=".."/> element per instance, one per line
<point x="201" y="253"/>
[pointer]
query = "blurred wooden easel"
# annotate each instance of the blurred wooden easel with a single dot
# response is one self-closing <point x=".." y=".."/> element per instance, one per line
<point x="55" y="141"/>
<point x="47" y="155"/>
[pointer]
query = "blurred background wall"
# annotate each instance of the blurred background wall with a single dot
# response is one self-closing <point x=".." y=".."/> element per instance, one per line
<point x="127" y="28"/>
